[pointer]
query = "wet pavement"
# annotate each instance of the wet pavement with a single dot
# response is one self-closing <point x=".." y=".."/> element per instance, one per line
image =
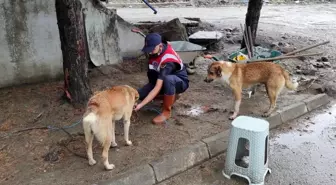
<point x="317" y="21"/>
<point x="302" y="152"/>
<point x="301" y="17"/>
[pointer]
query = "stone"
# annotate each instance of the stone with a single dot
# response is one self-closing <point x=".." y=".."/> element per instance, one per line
<point x="274" y="44"/>
<point x="324" y="59"/>
<point x="172" y="30"/>
<point x="309" y="72"/>
<point x="287" y="49"/>
<point x="327" y="64"/>
<point x="299" y="71"/>
<point x="302" y="78"/>
<point x="282" y="44"/>
<point x="53" y="155"/>
<point x="317" y="64"/>
<point x="224" y="1"/>
<point x="228" y="29"/>
<point x="302" y="58"/>
<point x="318" y="87"/>
<point x="284" y="37"/>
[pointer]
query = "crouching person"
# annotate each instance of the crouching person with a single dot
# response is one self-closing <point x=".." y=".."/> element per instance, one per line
<point x="166" y="74"/>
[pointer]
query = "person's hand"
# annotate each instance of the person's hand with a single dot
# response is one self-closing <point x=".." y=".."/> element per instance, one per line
<point x="138" y="107"/>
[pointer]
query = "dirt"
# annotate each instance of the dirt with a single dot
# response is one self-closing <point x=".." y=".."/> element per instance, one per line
<point x="36" y="156"/>
<point x="44" y="155"/>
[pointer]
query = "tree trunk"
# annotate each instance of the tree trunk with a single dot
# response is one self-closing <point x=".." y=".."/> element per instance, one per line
<point x="252" y="18"/>
<point x="71" y="25"/>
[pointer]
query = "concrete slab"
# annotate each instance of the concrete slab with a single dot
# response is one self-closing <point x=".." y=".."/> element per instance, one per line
<point x="143" y="174"/>
<point x="293" y="111"/>
<point x="274" y="120"/>
<point x="316" y="101"/>
<point x="211" y="35"/>
<point x="217" y="143"/>
<point x="159" y="20"/>
<point x="179" y="161"/>
<point x="205" y="37"/>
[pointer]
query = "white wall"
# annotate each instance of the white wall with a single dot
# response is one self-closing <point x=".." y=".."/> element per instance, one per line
<point x="30" y="48"/>
<point x="29" y="42"/>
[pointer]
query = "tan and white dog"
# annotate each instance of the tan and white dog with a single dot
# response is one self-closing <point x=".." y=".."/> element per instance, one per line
<point x="239" y="76"/>
<point x="103" y="109"/>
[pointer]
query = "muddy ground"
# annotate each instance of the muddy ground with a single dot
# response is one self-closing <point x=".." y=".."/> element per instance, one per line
<point x="44" y="155"/>
<point x="39" y="155"/>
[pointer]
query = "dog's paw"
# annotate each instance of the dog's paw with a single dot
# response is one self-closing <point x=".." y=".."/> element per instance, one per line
<point x="92" y="162"/>
<point x="266" y="114"/>
<point x="129" y="143"/>
<point x="232" y="117"/>
<point x="109" y="167"/>
<point x="113" y="145"/>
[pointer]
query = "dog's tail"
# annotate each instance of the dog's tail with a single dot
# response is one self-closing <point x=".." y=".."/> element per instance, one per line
<point x="99" y="126"/>
<point x="288" y="81"/>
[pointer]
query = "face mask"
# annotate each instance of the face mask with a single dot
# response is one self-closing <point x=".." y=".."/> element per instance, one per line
<point x="154" y="55"/>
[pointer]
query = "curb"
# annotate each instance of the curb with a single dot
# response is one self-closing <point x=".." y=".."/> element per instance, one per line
<point x="174" y="163"/>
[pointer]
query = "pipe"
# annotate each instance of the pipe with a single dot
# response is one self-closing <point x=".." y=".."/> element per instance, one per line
<point x="150" y="6"/>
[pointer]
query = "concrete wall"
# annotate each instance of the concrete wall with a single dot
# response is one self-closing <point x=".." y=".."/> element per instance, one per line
<point x="102" y="33"/>
<point x="29" y="42"/>
<point x="30" y="48"/>
<point x="130" y="43"/>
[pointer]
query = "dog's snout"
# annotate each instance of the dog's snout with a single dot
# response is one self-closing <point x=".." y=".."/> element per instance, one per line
<point x="207" y="80"/>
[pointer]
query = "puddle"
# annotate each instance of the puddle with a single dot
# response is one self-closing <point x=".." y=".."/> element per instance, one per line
<point x="320" y="128"/>
<point x="308" y="150"/>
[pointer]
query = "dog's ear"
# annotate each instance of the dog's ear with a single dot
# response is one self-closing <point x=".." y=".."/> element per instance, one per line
<point x="136" y="94"/>
<point x="133" y="92"/>
<point x="218" y="71"/>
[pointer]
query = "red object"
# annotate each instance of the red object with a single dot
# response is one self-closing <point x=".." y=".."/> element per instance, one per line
<point x="207" y="56"/>
<point x="168" y="56"/>
<point x="66" y="84"/>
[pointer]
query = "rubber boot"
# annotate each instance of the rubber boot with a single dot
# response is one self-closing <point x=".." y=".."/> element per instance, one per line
<point x="160" y="98"/>
<point x="168" y="101"/>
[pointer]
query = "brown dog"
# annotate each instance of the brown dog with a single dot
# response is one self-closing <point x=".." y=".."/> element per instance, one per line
<point x="103" y="109"/>
<point x="239" y="76"/>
